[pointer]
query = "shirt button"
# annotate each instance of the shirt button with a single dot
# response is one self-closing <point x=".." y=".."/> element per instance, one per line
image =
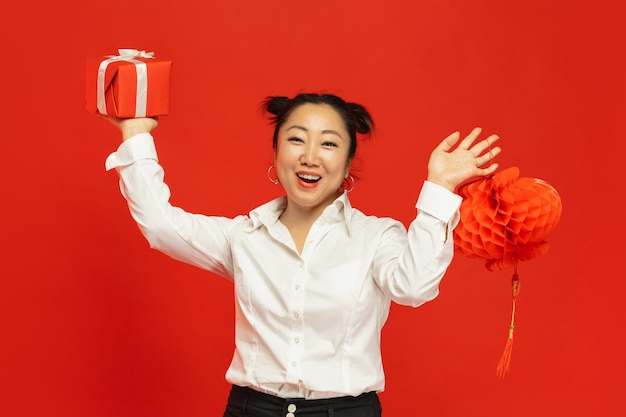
<point x="294" y="363"/>
<point x="297" y="286"/>
<point x="297" y="340"/>
<point x="296" y="315"/>
<point x="290" y="415"/>
<point x="291" y="408"/>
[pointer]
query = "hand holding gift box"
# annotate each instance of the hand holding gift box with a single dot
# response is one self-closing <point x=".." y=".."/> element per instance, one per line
<point x="131" y="84"/>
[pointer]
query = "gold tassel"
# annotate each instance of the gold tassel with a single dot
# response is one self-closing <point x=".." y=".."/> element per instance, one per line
<point x="504" y="365"/>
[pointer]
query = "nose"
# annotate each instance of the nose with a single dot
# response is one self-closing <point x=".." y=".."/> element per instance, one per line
<point x="310" y="155"/>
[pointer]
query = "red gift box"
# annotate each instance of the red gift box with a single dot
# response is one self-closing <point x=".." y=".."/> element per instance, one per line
<point x="131" y="84"/>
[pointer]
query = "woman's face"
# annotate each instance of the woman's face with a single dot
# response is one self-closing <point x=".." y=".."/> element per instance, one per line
<point x="311" y="156"/>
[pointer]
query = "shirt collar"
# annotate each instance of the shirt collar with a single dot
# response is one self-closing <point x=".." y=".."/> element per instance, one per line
<point x="268" y="213"/>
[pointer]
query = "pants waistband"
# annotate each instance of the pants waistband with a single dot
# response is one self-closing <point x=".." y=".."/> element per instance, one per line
<point x="292" y="407"/>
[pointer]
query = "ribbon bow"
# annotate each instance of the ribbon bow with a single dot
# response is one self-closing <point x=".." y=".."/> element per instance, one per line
<point x="134" y="53"/>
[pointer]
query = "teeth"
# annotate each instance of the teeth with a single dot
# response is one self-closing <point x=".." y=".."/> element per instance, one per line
<point x="309" y="177"/>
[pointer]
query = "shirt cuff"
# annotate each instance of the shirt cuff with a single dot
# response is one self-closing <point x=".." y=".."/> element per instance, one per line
<point x="438" y="201"/>
<point x="140" y="146"/>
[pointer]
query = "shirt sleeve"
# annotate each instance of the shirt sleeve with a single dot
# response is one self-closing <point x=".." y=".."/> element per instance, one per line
<point x="140" y="146"/>
<point x="439" y="203"/>
<point x="412" y="264"/>
<point x="196" y="239"/>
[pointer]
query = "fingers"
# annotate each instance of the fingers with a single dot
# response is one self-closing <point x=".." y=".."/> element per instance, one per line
<point x="482" y="150"/>
<point x="490" y="169"/>
<point x="484" y="145"/>
<point x="449" y="142"/>
<point x="467" y="142"/>
<point x="480" y="147"/>
<point x="487" y="157"/>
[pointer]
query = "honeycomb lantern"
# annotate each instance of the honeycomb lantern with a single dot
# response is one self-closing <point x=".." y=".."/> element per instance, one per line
<point x="505" y="219"/>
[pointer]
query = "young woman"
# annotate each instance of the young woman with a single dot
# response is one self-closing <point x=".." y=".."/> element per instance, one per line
<point x="314" y="277"/>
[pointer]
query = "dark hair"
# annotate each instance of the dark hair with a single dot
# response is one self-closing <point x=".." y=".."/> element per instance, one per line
<point x="355" y="117"/>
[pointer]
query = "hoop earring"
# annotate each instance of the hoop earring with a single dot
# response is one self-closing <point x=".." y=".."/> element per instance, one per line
<point x="348" y="184"/>
<point x="269" y="175"/>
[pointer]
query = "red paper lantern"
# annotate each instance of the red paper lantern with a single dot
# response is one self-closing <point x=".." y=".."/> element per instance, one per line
<point x="506" y="219"/>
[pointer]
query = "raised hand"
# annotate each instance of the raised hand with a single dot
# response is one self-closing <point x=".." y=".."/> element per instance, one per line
<point x="132" y="127"/>
<point x="453" y="163"/>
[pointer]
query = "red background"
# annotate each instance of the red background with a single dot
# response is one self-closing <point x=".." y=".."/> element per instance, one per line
<point x="94" y="323"/>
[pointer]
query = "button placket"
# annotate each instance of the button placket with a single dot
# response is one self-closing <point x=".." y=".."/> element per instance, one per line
<point x="296" y="305"/>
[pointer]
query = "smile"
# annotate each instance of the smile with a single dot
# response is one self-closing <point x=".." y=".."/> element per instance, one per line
<point x="308" y="178"/>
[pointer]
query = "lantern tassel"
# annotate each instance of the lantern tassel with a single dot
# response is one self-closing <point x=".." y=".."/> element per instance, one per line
<point x="504" y="365"/>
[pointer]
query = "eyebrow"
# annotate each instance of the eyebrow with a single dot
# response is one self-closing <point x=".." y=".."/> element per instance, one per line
<point x="325" y="131"/>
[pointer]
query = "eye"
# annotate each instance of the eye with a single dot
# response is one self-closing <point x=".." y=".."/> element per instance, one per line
<point x="295" y="139"/>
<point x="329" y="143"/>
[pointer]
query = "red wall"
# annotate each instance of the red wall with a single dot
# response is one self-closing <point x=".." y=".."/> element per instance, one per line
<point x="94" y="323"/>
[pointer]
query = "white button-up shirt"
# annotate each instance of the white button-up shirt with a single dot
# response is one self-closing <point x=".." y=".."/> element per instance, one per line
<point x="307" y="325"/>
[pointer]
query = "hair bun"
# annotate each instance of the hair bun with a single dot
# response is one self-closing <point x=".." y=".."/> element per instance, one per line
<point x="363" y="122"/>
<point x="275" y="104"/>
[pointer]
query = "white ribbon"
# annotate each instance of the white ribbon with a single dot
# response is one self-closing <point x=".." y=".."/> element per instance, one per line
<point x="134" y="53"/>
<point x="142" y="79"/>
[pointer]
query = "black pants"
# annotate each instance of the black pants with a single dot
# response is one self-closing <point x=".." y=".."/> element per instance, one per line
<point x="246" y="402"/>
